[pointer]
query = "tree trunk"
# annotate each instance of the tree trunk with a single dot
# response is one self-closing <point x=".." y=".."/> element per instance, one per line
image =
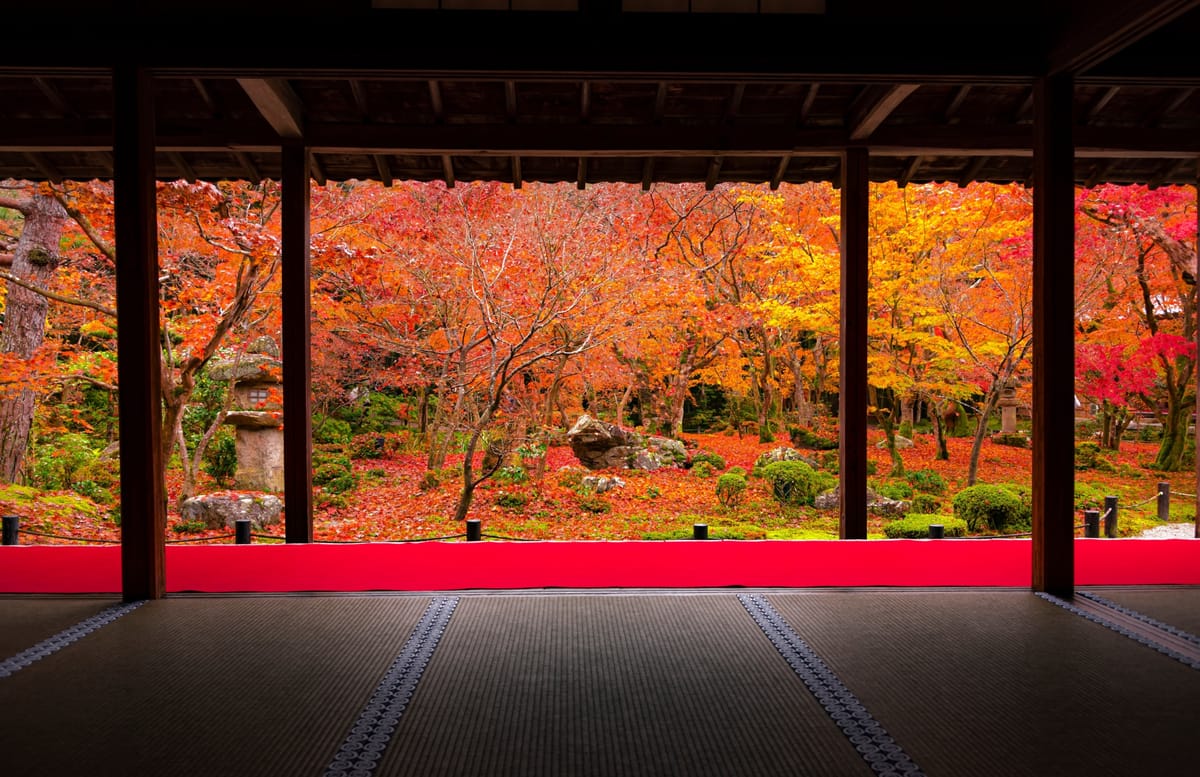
<point x="1175" y="437"/>
<point x="939" y="434"/>
<point x="35" y="259"/>
<point x="989" y="406"/>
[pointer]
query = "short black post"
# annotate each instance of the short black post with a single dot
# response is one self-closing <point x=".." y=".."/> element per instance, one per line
<point x="474" y="530"/>
<point x="1091" y="523"/>
<point x="12" y="524"/>
<point x="1110" y="517"/>
<point x="241" y="531"/>
<point x="699" y="531"/>
<point x="937" y="531"/>
<point x="1164" y="501"/>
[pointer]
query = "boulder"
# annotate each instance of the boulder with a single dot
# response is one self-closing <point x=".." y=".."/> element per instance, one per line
<point x="599" y="484"/>
<point x="901" y="443"/>
<point x="881" y="505"/>
<point x="601" y="445"/>
<point x="223" y="510"/>
<point x="783" y="453"/>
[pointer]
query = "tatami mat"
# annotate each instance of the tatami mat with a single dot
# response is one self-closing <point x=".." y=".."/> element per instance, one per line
<point x="1178" y="607"/>
<point x="24" y="622"/>
<point x="611" y="686"/>
<point x="204" y="687"/>
<point x="1004" y="683"/>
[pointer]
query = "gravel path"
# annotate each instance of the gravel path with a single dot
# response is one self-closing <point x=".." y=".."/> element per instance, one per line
<point x="1170" y="530"/>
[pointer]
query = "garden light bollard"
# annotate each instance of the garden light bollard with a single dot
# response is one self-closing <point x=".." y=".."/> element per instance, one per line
<point x="241" y="531"/>
<point x="12" y="525"/>
<point x="937" y="531"/>
<point x="474" y="530"/>
<point x="1164" y="501"/>
<point x="1110" y="517"/>
<point x="699" y="531"/>
<point x="1091" y="523"/>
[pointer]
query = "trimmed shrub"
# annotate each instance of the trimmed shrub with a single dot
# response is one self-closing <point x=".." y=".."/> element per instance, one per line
<point x="220" y="457"/>
<point x="1088" y="456"/>
<point x="927" y="481"/>
<point x="571" y="476"/>
<point x="737" y="471"/>
<point x="807" y="438"/>
<point x="331" y="430"/>
<point x="512" y="501"/>
<point x="987" y="505"/>
<point x="702" y="469"/>
<point x="792" y="482"/>
<point x="435" y="478"/>
<point x="915" y="526"/>
<point x="594" y="504"/>
<point x="899" y="491"/>
<point x="367" y="446"/>
<point x="731" y="489"/>
<point x="714" y="460"/>
<point x="1015" y="440"/>
<point x="925" y="503"/>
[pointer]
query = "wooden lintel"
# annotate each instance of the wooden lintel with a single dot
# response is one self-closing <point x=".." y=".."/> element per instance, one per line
<point x="384" y="169"/>
<point x="870" y="117"/>
<point x="277" y="103"/>
<point x="448" y="170"/>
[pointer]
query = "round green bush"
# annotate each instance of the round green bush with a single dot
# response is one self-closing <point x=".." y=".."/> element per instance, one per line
<point x="925" y="503"/>
<point x="986" y="505"/>
<point x="792" y="482"/>
<point x="915" y="526"/>
<point x="715" y="460"/>
<point x="702" y="469"/>
<point x="731" y="488"/>
<point x="927" y="481"/>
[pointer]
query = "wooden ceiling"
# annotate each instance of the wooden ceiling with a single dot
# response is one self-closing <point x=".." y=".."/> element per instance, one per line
<point x="936" y="92"/>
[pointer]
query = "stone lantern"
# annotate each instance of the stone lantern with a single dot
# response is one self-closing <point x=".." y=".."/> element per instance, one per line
<point x="255" y="414"/>
<point x="1008" y="410"/>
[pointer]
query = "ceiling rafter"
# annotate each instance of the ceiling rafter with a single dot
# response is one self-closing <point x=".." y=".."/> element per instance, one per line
<point x="247" y="164"/>
<point x="810" y="97"/>
<point x="1108" y="27"/>
<point x="581" y="174"/>
<point x="910" y="170"/>
<point x="516" y="172"/>
<point x="780" y="171"/>
<point x="44" y="166"/>
<point x="873" y="111"/>
<point x="181" y="165"/>
<point x="384" y="168"/>
<point x="55" y="97"/>
<point x="1100" y="103"/>
<point x="278" y="103"/>
<point x="448" y="170"/>
<point x="950" y="114"/>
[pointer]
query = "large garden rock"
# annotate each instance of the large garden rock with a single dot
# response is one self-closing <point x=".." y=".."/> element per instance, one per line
<point x="601" y="445"/>
<point x="599" y="483"/>
<point x="783" y="453"/>
<point x="876" y="503"/>
<point x="218" y="510"/>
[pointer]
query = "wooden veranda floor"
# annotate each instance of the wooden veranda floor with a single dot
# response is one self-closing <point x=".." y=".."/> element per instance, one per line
<point x="979" y="681"/>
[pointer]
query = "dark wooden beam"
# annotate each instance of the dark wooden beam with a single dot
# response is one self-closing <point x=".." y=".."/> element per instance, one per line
<point x="972" y="172"/>
<point x="448" y="170"/>
<point x="277" y="103"/>
<point x="360" y="99"/>
<point x="318" y="172"/>
<point x="714" y="171"/>
<point x="660" y="102"/>
<point x="1169" y="106"/>
<point x="1054" y="338"/>
<point x="852" y="354"/>
<point x="214" y="110"/>
<point x="55" y="97"/>
<point x="1103" y="100"/>
<point x="297" y="338"/>
<point x="384" y="169"/>
<point x="139" y="363"/>
<point x="585" y="101"/>
<point x="810" y="97"/>
<point x="910" y="170"/>
<point x="44" y="167"/>
<point x="647" y="174"/>
<point x="1107" y="27"/>
<point x="735" y="103"/>
<point x="247" y="164"/>
<point x="950" y="114"/>
<point x="516" y="172"/>
<point x="181" y="166"/>
<point x="510" y="100"/>
<point x="780" y="171"/>
<point x="435" y="101"/>
<point x="581" y="174"/>
<point x="868" y="117"/>
<point x="1100" y="172"/>
<point x="1024" y="108"/>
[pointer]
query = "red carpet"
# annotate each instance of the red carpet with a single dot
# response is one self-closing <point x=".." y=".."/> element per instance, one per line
<point x="683" y="564"/>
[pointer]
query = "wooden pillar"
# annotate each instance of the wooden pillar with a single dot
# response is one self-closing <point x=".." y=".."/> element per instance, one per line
<point x="852" y="394"/>
<point x="139" y="365"/>
<point x="297" y="363"/>
<point x="1054" y="337"/>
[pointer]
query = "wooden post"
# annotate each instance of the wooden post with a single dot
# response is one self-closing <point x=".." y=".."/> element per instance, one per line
<point x="1053" y="337"/>
<point x="139" y="365"/>
<point x="852" y="393"/>
<point x="297" y="363"/>
<point x="1196" y="428"/>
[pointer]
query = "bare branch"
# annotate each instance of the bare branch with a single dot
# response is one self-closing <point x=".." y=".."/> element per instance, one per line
<point x="83" y="303"/>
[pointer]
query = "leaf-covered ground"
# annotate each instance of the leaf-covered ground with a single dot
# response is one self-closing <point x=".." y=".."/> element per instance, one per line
<point x="390" y="503"/>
